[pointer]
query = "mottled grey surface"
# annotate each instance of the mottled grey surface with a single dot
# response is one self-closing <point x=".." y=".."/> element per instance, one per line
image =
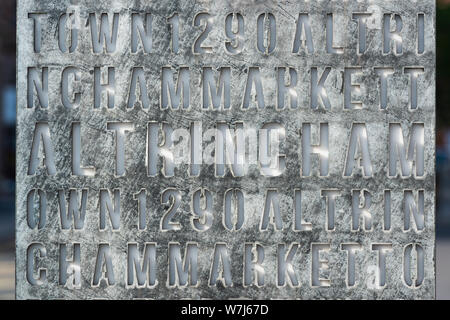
<point x="98" y="147"/>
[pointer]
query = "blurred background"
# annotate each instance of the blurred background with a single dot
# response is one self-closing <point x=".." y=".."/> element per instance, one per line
<point x="7" y="148"/>
<point x="443" y="151"/>
<point x="7" y="145"/>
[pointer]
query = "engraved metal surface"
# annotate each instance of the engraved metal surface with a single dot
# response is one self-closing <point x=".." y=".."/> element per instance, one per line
<point x="71" y="136"/>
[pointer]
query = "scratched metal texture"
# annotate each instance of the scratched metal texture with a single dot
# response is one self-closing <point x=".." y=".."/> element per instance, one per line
<point x="98" y="147"/>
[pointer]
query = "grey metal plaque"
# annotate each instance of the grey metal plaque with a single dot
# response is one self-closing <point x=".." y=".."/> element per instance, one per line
<point x="226" y="149"/>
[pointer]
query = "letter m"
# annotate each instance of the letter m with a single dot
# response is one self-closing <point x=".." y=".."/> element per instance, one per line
<point x="183" y="270"/>
<point x="142" y="272"/>
<point x="414" y="155"/>
<point x="175" y="94"/>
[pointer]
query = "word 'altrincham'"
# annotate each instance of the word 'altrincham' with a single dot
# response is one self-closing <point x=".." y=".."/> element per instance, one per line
<point x="240" y="149"/>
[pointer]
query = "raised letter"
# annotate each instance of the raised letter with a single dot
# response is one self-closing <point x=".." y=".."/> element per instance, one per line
<point x="415" y="209"/>
<point x="321" y="150"/>
<point x="330" y="36"/>
<point x="365" y="198"/>
<point x="155" y="150"/>
<point x="358" y="149"/>
<point x="141" y="274"/>
<point x="318" y="264"/>
<point x="32" y="220"/>
<point x="68" y="100"/>
<point x="266" y="21"/>
<point x="384" y="74"/>
<point x="221" y="267"/>
<point x="351" y="249"/>
<point x="272" y="212"/>
<point x="413" y="89"/>
<point x="99" y="88"/>
<point x="318" y="89"/>
<point x="303" y="35"/>
<point x="350" y="88"/>
<point x="330" y="202"/>
<point x="34" y="250"/>
<point x="37" y="29"/>
<point x="289" y="88"/>
<point x="382" y="252"/>
<point x="139" y="31"/>
<point x="398" y="153"/>
<point x="40" y="83"/>
<point x="106" y="204"/>
<point x="77" y="169"/>
<point x="285" y="265"/>
<point x="407" y="264"/>
<point x="42" y="132"/>
<point x="392" y="37"/>
<point x="254" y="77"/>
<point x="253" y="269"/>
<point x="70" y="271"/>
<point x="272" y="162"/>
<point x="103" y="266"/>
<point x="104" y="35"/>
<point x="215" y="92"/>
<point x="182" y="271"/>
<point x="178" y="95"/>
<point x="361" y="18"/>
<point x="236" y="37"/>
<point x="138" y="81"/>
<point x="62" y="35"/>
<point x="75" y="212"/>
<point x="299" y="224"/>
<point x="120" y="129"/>
<point x="202" y="219"/>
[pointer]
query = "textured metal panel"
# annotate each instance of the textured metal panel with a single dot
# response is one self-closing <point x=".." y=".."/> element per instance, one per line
<point x="98" y="146"/>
